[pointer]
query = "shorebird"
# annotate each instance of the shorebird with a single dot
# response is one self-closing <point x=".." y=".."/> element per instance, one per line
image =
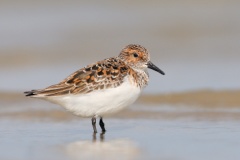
<point x="104" y="87"/>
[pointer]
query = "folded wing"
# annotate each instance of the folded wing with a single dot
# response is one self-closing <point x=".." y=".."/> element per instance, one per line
<point x="105" y="74"/>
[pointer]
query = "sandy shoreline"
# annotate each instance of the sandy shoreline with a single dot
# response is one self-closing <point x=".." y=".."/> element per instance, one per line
<point x="207" y="98"/>
<point x="204" y="98"/>
<point x="204" y="104"/>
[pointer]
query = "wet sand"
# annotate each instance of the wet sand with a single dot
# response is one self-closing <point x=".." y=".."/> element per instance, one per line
<point x="203" y="98"/>
<point x="205" y="104"/>
<point x="126" y="138"/>
<point x="198" y="105"/>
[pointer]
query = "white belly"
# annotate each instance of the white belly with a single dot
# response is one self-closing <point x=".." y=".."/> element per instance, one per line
<point x="100" y="102"/>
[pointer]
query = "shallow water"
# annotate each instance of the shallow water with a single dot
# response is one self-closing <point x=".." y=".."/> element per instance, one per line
<point x="35" y="129"/>
<point x="125" y="139"/>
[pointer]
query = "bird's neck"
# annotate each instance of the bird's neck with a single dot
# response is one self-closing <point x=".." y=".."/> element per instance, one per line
<point x="139" y="77"/>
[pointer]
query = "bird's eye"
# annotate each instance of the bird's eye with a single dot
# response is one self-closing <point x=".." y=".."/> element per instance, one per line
<point x="135" y="55"/>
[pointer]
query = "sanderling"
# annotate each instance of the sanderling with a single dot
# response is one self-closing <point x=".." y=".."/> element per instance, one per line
<point x="104" y="87"/>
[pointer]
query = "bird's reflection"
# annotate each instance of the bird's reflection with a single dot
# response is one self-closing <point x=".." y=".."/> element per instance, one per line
<point x="101" y="136"/>
<point x="100" y="148"/>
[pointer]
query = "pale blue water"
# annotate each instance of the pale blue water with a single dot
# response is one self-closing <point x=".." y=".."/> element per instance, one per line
<point x="145" y="139"/>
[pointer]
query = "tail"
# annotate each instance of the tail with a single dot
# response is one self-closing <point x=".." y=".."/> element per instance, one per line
<point x="54" y="90"/>
<point x="31" y="93"/>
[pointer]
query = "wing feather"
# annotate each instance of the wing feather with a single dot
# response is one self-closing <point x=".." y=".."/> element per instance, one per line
<point x="101" y="75"/>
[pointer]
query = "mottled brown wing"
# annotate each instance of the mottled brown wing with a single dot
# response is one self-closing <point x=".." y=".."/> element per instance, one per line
<point x="101" y="75"/>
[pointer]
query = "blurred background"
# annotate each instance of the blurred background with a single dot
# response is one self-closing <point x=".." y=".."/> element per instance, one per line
<point x="197" y="103"/>
<point x="196" y="43"/>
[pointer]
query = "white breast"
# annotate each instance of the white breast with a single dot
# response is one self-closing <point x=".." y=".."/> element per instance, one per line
<point x="99" y="102"/>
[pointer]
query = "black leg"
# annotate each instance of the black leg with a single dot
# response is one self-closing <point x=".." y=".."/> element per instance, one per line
<point x="102" y="125"/>
<point x="94" y="124"/>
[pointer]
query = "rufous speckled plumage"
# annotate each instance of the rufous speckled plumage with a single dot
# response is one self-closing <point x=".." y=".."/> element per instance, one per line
<point x="104" y="87"/>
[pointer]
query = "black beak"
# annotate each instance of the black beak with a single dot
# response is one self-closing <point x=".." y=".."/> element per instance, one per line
<point x="155" y="68"/>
